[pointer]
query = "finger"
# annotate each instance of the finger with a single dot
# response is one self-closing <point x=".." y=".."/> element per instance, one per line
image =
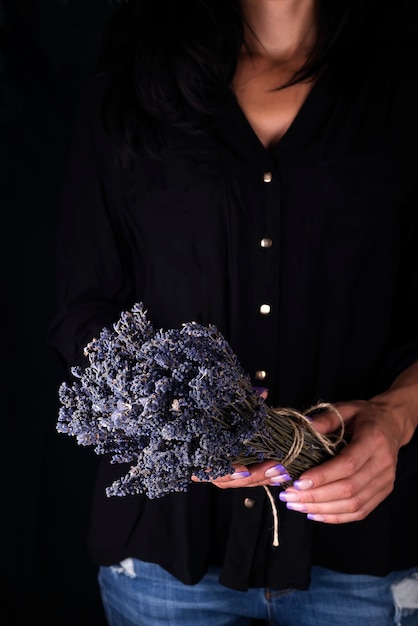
<point x="355" y="499"/>
<point x="355" y="491"/>
<point x="239" y="473"/>
<point x="266" y="473"/>
<point x="348" y="462"/>
<point x="346" y="513"/>
<point x="327" y="421"/>
<point x="377" y="472"/>
<point x="359" y="461"/>
<point x="262" y="392"/>
<point x="367" y="442"/>
<point x="355" y="496"/>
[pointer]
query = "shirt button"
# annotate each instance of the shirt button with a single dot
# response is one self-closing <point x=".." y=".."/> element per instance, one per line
<point x="260" y="374"/>
<point x="249" y="503"/>
<point x="266" y="242"/>
<point x="268" y="177"/>
<point x="265" y="309"/>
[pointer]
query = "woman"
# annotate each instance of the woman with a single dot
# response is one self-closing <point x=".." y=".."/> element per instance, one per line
<point x="247" y="164"/>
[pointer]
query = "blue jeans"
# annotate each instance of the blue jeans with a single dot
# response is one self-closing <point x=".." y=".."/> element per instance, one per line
<point x="136" y="593"/>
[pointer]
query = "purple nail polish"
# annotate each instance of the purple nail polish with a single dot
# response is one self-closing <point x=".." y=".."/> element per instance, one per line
<point x="289" y="496"/>
<point x="305" y="483"/>
<point x="276" y="470"/>
<point x="297" y="506"/>
<point x="281" y="478"/>
<point x="238" y="475"/>
<point x="315" y="517"/>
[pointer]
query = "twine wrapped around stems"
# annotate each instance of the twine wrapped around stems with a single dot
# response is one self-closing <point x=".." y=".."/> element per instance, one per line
<point x="296" y="444"/>
<point x="292" y="439"/>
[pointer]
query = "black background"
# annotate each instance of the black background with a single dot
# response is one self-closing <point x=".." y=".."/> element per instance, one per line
<point x="47" y="47"/>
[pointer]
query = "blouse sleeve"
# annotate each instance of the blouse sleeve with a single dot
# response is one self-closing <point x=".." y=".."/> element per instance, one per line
<point x="403" y="346"/>
<point x="92" y="282"/>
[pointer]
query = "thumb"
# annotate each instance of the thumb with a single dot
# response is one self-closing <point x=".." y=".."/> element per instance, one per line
<point x="262" y="392"/>
<point x="329" y="418"/>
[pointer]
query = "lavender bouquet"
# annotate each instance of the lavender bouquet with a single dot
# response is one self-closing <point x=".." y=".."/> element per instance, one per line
<point x="177" y="403"/>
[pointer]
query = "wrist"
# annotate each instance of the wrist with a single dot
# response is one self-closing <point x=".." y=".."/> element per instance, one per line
<point x="400" y="404"/>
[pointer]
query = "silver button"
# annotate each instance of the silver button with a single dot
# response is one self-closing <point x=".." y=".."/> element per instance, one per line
<point x="266" y="242"/>
<point x="268" y="177"/>
<point x="265" y="309"/>
<point x="260" y="374"/>
<point x="249" y="503"/>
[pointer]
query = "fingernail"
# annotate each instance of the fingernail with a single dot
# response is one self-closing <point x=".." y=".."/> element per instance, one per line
<point x="237" y="475"/>
<point x="277" y="470"/>
<point x="281" y="478"/>
<point x="260" y="390"/>
<point x="315" y="518"/>
<point x="296" y="506"/>
<point x="305" y="483"/>
<point x="289" y="496"/>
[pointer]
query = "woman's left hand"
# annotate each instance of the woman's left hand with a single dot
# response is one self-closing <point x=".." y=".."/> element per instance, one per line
<point x="349" y="486"/>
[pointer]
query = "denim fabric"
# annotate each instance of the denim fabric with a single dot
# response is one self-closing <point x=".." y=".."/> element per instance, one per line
<point x="136" y="593"/>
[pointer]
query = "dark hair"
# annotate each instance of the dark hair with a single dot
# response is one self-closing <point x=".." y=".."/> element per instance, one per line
<point x="170" y="63"/>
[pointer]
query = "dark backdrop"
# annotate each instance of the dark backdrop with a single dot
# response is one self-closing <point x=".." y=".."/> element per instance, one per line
<point x="47" y="47"/>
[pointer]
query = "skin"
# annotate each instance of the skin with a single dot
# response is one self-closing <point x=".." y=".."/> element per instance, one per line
<point x="278" y="41"/>
<point x="348" y="487"/>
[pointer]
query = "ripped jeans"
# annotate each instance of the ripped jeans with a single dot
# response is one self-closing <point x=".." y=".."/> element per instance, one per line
<point x="135" y="593"/>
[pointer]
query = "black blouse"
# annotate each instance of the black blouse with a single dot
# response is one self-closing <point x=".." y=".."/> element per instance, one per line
<point x="322" y="228"/>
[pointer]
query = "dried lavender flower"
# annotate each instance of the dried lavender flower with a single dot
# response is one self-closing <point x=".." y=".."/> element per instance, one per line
<point x="176" y="403"/>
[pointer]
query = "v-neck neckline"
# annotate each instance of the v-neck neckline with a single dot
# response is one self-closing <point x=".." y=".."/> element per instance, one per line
<point x="312" y="103"/>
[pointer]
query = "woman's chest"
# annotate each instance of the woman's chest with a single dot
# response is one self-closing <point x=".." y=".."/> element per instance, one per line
<point x="270" y="111"/>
